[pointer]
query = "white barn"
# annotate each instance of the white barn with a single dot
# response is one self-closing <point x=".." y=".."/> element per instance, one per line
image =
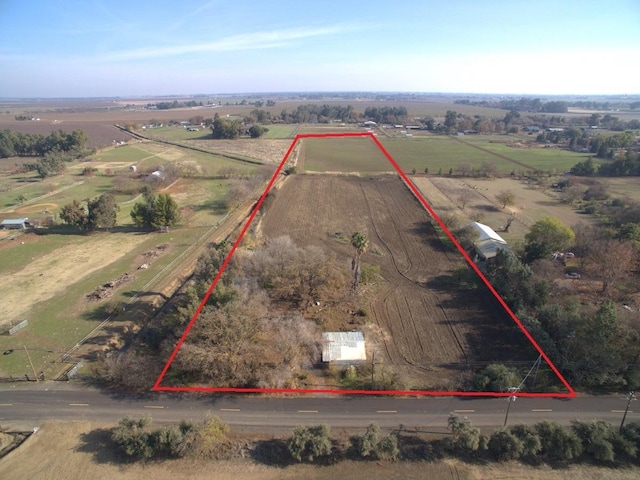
<point x="488" y="242"/>
<point x="343" y="347"/>
<point x="14" y="223"/>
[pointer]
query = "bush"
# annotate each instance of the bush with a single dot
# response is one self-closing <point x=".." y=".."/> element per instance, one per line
<point x="603" y="441"/>
<point x="496" y="378"/>
<point x="133" y="438"/>
<point x="529" y="438"/>
<point x="367" y="443"/>
<point x="388" y="448"/>
<point x="466" y="437"/>
<point x="505" y="446"/>
<point x="557" y="443"/>
<point x="309" y="444"/>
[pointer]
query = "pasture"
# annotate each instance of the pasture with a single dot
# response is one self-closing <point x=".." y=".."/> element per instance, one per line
<point x="45" y="278"/>
<point x="342" y="155"/>
<point x="446" y="152"/>
<point x="281" y="131"/>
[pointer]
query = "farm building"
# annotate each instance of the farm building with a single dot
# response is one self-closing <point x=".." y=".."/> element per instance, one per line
<point x="343" y="347"/>
<point x="488" y="242"/>
<point x="15" y="224"/>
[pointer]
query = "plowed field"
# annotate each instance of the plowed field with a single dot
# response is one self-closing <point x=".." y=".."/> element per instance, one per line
<point x="427" y="322"/>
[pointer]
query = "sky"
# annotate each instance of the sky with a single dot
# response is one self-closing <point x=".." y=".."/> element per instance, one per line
<point x="104" y="48"/>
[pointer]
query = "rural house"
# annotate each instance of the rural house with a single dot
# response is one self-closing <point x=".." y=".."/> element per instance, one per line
<point x="488" y="242"/>
<point x="343" y="347"/>
<point x="15" y="224"/>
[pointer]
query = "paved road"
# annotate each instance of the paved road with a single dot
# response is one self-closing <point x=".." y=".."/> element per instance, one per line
<point x="24" y="408"/>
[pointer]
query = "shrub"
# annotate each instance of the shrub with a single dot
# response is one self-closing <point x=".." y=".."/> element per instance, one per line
<point x="388" y="448"/>
<point x="496" y="378"/>
<point x="133" y="438"/>
<point x="466" y="437"/>
<point x="505" y="446"/>
<point x="367" y="443"/>
<point x="310" y="443"/>
<point x="557" y="443"/>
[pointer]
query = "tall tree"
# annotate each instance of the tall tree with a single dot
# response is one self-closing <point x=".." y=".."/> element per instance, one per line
<point x="612" y="261"/>
<point x="74" y="214"/>
<point x="102" y="212"/>
<point x="165" y="211"/>
<point x="546" y="236"/>
<point x="360" y="244"/>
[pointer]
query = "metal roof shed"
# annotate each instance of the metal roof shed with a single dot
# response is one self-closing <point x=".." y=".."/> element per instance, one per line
<point x="343" y="347"/>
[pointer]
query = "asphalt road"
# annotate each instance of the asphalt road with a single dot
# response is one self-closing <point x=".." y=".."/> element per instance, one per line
<point x="24" y="407"/>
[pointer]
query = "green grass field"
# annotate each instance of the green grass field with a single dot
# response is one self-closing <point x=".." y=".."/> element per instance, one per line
<point x="281" y="131"/>
<point x="57" y="321"/>
<point x="176" y="133"/>
<point x="343" y="155"/>
<point x="127" y="153"/>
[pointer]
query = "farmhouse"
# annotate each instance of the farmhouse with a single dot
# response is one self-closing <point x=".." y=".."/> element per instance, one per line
<point x="343" y="347"/>
<point x="15" y="224"/>
<point x="488" y="242"/>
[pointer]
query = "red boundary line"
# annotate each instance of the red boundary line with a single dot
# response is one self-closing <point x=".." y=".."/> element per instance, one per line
<point x="157" y="387"/>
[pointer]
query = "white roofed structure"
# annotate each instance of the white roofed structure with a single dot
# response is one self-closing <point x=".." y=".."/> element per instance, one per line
<point x="345" y="347"/>
<point x="488" y="242"/>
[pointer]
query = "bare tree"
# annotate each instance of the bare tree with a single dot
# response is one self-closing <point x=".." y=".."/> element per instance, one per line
<point x="506" y="198"/>
<point x="464" y="198"/>
<point x="613" y="261"/>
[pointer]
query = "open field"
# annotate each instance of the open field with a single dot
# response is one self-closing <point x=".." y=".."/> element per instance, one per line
<point x="46" y="278"/>
<point x="341" y="155"/>
<point x="266" y="150"/>
<point x="421" y="321"/>
<point x="281" y="131"/>
<point x="443" y="193"/>
<point x="440" y="153"/>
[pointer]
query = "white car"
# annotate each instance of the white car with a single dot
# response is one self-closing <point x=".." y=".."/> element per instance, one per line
<point x="573" y="275"/>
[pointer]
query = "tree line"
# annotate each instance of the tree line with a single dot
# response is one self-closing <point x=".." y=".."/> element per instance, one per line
<point x="20" y="144"/>
<point x="592" y="442"/>
<point x="522" y="104"/>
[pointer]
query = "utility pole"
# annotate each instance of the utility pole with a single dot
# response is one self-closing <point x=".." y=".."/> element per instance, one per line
<point x="630" y="397"/>
<point x="512" y="399"/>
<point x="373" y="356"/>
<point x="31" y="363"/>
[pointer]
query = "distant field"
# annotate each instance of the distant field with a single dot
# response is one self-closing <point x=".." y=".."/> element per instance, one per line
<point x="342" y="155"/>
<point x="175" y="133"/>
<point x="445" y="152"/>
<point x="433" y="152"/>
<point x="536" y="157"/>
<point x="281" y="131"/>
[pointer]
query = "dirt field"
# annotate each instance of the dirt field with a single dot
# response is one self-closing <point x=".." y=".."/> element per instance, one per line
<point x="76" y="450"/>
<point x="426" y="322"/>
<point x="261" y="149"/>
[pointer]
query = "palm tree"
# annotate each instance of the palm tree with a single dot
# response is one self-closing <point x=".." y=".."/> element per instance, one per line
<point x="360" y="243"/>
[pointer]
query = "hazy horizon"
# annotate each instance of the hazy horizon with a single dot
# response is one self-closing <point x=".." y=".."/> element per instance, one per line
<point x="106" y="49"/>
